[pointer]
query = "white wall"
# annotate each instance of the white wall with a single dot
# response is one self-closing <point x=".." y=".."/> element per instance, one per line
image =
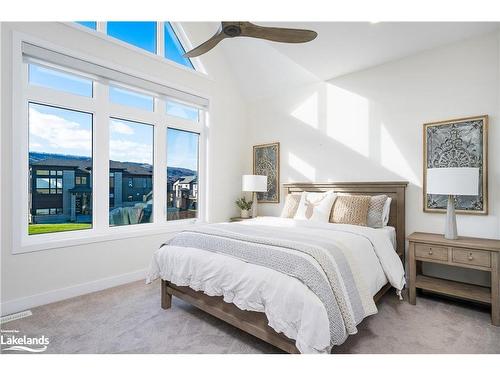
<point x="367" y="126"/>
<point x="40" y="277"/>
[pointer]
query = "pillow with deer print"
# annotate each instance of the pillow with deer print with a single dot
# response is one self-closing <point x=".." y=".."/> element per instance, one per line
<point x="315" y="206"/>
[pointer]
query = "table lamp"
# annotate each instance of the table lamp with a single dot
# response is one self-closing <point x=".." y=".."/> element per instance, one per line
<point x="254" y="183"/>
<point x="451" y="182"/>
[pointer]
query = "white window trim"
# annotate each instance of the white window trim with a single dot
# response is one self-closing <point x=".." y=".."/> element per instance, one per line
<point x="101" y="110"/>
<point x="100" y="32"/>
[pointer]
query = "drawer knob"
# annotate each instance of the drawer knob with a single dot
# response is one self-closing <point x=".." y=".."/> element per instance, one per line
<point x="430" y="251"/>
<point x="470" y="256"/>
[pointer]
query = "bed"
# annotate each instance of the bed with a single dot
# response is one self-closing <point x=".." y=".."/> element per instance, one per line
<point x="285" y="309"/>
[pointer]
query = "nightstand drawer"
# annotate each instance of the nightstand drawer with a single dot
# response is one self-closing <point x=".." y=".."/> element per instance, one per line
<point x="431" y="252"/>
<point x="472" y="257"/>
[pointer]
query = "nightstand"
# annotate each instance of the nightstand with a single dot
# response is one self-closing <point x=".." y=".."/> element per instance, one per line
<point x="233" y="219"/>
<point x="465" y="252"/>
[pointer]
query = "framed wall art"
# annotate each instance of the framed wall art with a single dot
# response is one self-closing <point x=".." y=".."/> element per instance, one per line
<point x="452" y="144"/>
<point x="266" y="162"/>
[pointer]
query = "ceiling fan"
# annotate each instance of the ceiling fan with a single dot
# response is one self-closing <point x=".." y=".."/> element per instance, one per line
<point x="248" y="29"/>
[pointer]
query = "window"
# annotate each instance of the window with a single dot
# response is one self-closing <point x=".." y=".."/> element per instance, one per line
<point x="182" y="174"/>
<point x="58" y="80"/>
<point x="47" y="185"/>
<point x="55" y="126"/>
<point x="81" y="180"/>
<point x="49" y="211"/>
<point x="139" y="34"/>
<point x="130" y="98"/>
<point x="60" y="142"/>
<point x="173" y="48"/>
<point x="145" y="36"/>
<point x="42" y="185"/>
<point x="90" y="24"/>
<point x="182" y="111"/>
<point x="131" y="160"/>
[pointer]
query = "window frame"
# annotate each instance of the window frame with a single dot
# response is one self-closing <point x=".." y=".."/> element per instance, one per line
<point x="101" y="32"/>
<point x="156" y="126"/>
<point x="199" y="201"/>
<point x="102" y="110"/>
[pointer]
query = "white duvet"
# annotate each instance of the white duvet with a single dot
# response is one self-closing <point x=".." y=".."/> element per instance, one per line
<point x="290" y="306"/>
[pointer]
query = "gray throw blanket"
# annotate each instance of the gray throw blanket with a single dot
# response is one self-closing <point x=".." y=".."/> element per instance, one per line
<point x="321" y="264"/>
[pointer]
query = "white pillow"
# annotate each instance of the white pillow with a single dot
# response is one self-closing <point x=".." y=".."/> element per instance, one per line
<point x="315" y="206"/>
<point x="387" y="211"/>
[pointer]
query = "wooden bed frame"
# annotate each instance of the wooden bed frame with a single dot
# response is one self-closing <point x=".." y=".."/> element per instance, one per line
<point x="256" y="323"/>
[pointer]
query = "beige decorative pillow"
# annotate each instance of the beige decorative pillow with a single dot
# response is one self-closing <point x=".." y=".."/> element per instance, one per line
<point x="350" y="209"/>
<point x="291" y="204"/>
<point x="376" y="211"/>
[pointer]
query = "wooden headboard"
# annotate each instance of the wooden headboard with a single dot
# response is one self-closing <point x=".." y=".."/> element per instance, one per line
<point x="393" y="189"/>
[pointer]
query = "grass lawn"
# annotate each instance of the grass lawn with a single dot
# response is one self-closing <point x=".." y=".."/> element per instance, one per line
<point x="49" y="228"/>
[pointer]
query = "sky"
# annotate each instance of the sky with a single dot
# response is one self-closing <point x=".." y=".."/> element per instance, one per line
<point x="182" y="149"/>
<point x="130" y="141"/>
<point x="131" y="98"/>
<point x="182" y="111"/>
<point x="59" y="131"/>
<point x="55" y="79"/>
<point x="139" y="34"/>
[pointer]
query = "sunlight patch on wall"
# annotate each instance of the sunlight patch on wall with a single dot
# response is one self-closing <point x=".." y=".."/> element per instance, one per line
<point x="307" y="111"/>
<point x="302" y="167"/>
<point x="348" y="119"/>
<point x="393" y="159"/>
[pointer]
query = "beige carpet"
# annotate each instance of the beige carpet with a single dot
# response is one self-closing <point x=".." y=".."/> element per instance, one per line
<point x="128" y="319"/>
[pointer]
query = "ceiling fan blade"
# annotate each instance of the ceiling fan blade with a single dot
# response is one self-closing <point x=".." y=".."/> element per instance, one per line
<point x="206" y="46"/>
<point x="277" y="34"/>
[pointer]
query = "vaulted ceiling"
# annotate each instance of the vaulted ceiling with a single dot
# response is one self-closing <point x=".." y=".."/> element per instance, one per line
<point x="262" y="67"/>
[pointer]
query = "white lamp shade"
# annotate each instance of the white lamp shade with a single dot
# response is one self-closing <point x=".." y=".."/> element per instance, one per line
<point x="252" y="182"/>
<point x="453" y="181"/>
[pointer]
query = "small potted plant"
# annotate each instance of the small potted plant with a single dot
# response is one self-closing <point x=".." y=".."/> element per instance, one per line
<point x="244" y="206"/>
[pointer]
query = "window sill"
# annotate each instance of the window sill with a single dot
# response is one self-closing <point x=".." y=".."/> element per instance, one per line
<point x="50" y="241"/>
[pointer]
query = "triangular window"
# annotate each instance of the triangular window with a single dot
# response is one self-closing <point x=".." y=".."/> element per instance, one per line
<point x="173" y="48"/>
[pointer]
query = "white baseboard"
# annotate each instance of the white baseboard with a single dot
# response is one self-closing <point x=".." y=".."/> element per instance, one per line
<point x="16" y="305"/>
